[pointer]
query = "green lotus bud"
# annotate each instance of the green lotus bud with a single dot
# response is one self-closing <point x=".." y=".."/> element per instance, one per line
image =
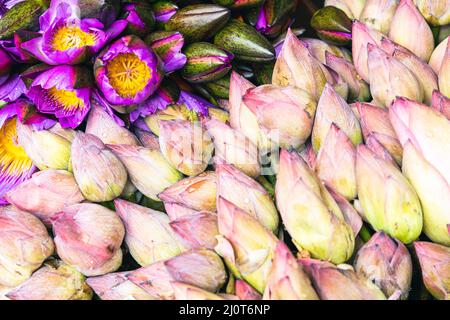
<point x="332" y="25"/>
<point x="219" y="88"/>
<point x="239" y="4"/>
<point x="244" y="42"/>
<point x="199" y="21"/>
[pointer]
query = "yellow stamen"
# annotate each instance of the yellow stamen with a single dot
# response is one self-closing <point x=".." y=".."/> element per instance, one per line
<point x="67" y="99"/>
<point x="71" y="37"/>
<point x="13" y="158"/>
<point x="128" y="74"/>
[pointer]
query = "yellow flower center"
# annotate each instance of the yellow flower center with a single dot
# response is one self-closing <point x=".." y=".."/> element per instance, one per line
<point x="13" y="158"/>
<point x="67" y="99"/>
<point x="71" y="37"/>
<point x="128" y="74"/>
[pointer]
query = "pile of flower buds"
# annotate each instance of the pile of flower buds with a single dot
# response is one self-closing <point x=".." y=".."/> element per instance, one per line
<point x="206" y="150"/>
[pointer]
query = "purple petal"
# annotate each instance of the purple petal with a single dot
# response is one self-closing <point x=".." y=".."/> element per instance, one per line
<point x="195" y="103"/>
<point x="159" y="101"/>
<point x="101" y="101"/>
<point x="12" y="88"/>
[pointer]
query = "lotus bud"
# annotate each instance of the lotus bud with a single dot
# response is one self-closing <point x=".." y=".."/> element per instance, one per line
<point x="225" y="249"/>
<point x="47" y="149"/>
<point x="284" y="114"/>
<point x="205" y="62"/>
<point x="409" y="29"/>
<point x="253" y="251"/>
<point x="116" y="286"/>
<point x="358" y="88"/>
<point x="24" y="245"/>
<point x="434" y="261"/>
<point x="390" y="78"/>
<point x="246" y="292"/>
<point x="185" y="145"/>
<point x="351" y="216"/>
<point x="378" y="14"/>
<point x="104" y="10"/>
<point x="245" y="193"/>
<point x="444" y="77"/>
<point x="183" y="291"/>
<point x="3" y="292"/>
<point x="140" y="18"/>
<point x="219" y="88"/>
<point x="301" y="216"/>
<point x="147" y="169"/>
<point x="441" y="104"/>
<point x="173" y="112"/>
<point x="147" y="247"/>
<point x="296" y="66"/>
<point x="99" y="173"/>
<point x="175" y="210"/>
<point x="103" y="126"/>
<point x="54" y="281"/>
<point x="437" y="58"/>
<point x="375" y="123"/>
<point x="163" y="11"/>
<point x="309" y="156"/>
<point x="196" y="231"/>
<point x="319" y="48"/>
<point x="153" y="279"/>
<point x="332" y="25"/>
<point x="234" y="148"/>
<point x="198" y="193"/>
<point x="46" y="193"/>
<point x="199" y="21"/>
<point x="244" y="42"/>
<point x="436" y="12"/>
<point x="389" y="202"/>
<point x="148" y="139"/>
<point x="167" y="45"/>
<point x="422" y="131"/>
<point x="332" y="108"/>
<point x="352" y="8"/>
<point x="88" y="237"/>
<point x="287" y="280"/>
<point x="334" y="283"/>
<point x="239" y="4"/>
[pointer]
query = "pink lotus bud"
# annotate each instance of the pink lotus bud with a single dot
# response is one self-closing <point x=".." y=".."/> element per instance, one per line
<point x="441" y="103"/>
<point x="437" y="58"/>
<point x="387" y="263"/>
<point x="245" y="292"/>
<point x="225" y="249"/>
<point x="335" y="164"/>
<point x="148" y="139"/>
<point x="147" y="247"/>
<point x="185" y="291"/>
<point x="3" y="292"/>
<point x="287" y="280"/>
<point x="378" y="14"/>
<point x="234" y="148"/>
<point x="296" y="66"/>
<point x="352" y="8"/>
<point x="375" y="123"/>
<point x="153" y="279"/>
<point x="320" y="48"/>
<point x="379" y="150"/>
<point x="46" y="193"/>
<point x="197" y="231"/>
<point x="337" y="82"/>
<point x="99" y="173"/>
<point x="175" y="210"/>
<point x="436" y="12"/>
<point x="148" y="169"/>
<point x="24" y="245"/>
<point x="409" y="29"/>
<point x="116" y="286"/>
<point x="88" y="236"/>
<point x="390" y="78"/>
<point x="254" y="250"/>
<point x="351" y="216"/>
<point x="444" y="73"/>
<point x="434" y="261"/>
<point x="198" y="193"/>
<point x="247" y="194"/>
<point x="334" y="283"/>
<point x="54" y="281"/>
<point x="361" y="37"/>
<point x="309" y="156"/>
<point x="332" y="108"/>
<point x="284" y="114"/>
<point x="186" y="145"/>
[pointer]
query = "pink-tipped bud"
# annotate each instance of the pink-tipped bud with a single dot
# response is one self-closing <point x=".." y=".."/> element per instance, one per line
<point x="444" y="73"/>
<point x="183" y="291"/>
<point x="441" y="103"/>
<point x="148" y="139"/>
<point x="198" y="230"/>
<point x="175" y="210"/>
<point x="245" y="292"/>
<point x="378" y="14"/>
<point x="437" y="58"/>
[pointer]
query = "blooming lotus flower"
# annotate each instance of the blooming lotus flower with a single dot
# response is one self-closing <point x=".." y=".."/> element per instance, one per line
<point x="234" y="148"/>
<point x="444" y="78"/>
<point x="68" y="39"/>
<point x="46" y="193"/>
<point x="63" y="91"/>
<point x="409" y="29"/>
<point x="422" y="131"/>
<point x="436" y="12"/>
<point x="147" y="169"/>
<point x="335" y="283"/>
<point x="167" y="45"/>
<point x="296" y="66"/>
<point x="183" y="291"/>
<point x="387" y="263"/>
<point x="283" y="113"/>
<point x="434" y="261"/>
<point x="24" y="245"/>
<point x="315" y="224"/>
<point x="352" y="8"/>
<point x="88" y="237"/>
<point x="437" y="57"/>
<point x="253" y="251"/>
<point x="127" y="71"/>
<point x="245" y="292"/>
<point x="378" y="14"/>
<point x="332" y="108"/>
<point x="375" y="123"/>
<point x="54" y="281"/>
<point x="389" y="201"/>
<point x="390" y="78"/>
<point x="140" y="18"/>
<point x="198" y="193"/>
<point x="441" y="104"/>
<point x="287" y="280"/>
<point x="198" y="230"/>
<point x="99" y="173"/>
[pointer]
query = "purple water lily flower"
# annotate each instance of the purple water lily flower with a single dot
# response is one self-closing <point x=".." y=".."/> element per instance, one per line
<point x="14" y="46"/>
<point x="140" y="18"/>
<point x="195" y="103"/>
<point x="67" y="39"/>
<point x="127" y="72"/>
<point x="63" y="91"/>
<point x="168" y="45"/>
